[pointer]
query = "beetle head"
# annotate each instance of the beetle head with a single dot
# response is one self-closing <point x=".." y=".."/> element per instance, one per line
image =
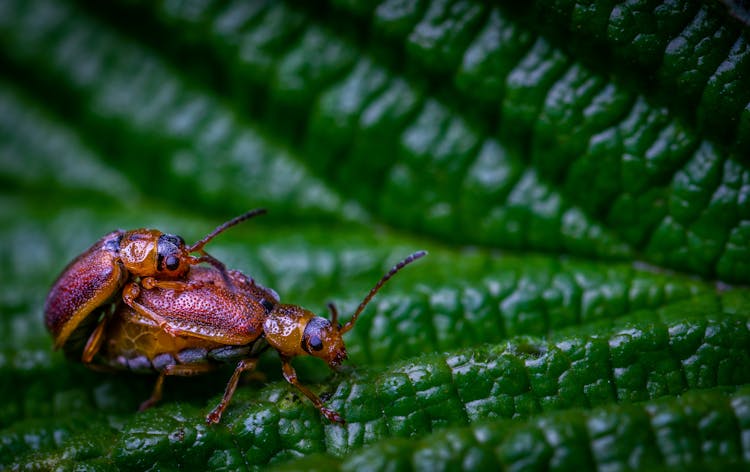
<point x="172" y="257"/>
<point x="323" y="339"/>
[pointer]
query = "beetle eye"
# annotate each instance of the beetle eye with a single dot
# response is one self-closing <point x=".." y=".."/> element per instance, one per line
<point x="267" y="304"/>
<point x="316" y="344"/>
<point x="172" y="262"/>
<point x="312" y="339"/>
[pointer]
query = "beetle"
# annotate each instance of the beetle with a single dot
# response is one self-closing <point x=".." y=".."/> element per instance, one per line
<point x="95" y="277"/>
<point x="176" y="332"/>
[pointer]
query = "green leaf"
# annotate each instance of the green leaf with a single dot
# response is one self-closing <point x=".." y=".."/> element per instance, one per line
<point x="576" y="171"/>
<point x="698" y="429"/>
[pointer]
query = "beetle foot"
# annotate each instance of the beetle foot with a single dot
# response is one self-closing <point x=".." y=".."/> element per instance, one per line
<point x="130" y="293"/>
<point x="148" y="283"/>
<point x="215" y="416"/>
<point x="332" y="416"/>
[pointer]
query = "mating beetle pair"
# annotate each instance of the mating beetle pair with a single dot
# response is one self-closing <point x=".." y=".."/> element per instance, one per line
<point x="134" y="301"/>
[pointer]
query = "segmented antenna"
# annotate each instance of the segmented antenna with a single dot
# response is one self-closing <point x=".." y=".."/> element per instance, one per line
<point x="219" y="229"/>
<point x="350" y="324"/>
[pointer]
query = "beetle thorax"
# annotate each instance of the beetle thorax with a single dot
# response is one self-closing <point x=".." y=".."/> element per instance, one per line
<point x="284" y="328"/>
<point x="138" y="251"/>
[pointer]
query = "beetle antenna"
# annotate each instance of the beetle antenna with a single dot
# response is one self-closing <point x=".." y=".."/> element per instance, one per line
<point x="350" y="324"/>
<point x="219" y="229"/>
<point x="334" y="313"/>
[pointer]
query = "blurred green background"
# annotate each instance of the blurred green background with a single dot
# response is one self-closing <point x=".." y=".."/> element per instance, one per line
<point x="577" y="170"/>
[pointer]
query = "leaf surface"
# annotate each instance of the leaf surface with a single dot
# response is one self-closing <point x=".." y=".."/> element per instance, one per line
<point x="577" y="172"/>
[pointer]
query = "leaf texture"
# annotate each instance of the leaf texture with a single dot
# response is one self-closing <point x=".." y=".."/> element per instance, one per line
<point x="576" y="170"/>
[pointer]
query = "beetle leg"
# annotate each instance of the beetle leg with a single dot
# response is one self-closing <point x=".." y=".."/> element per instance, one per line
<point x="182" y="370"/>
<point x="130" y="293"/>
<point x="291" y="376"/>
<point x="150" y="283"/>
<point x="243" y="366"/>
<point x="95" y="342"/>
<point x="206" y="257"/>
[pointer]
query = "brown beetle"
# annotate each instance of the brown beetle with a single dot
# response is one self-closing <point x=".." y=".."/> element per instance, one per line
<point x="152" y="258"/>
<point x="190" y="332"/>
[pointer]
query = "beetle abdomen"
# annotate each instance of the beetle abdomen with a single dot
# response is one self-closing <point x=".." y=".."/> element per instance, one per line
<point x="138" y="344"/>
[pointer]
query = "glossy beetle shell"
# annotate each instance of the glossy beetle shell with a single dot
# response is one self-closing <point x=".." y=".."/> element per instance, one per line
<point x="207" y="319"/>
<point x="87" y="283"/>
<point x="231" y="315"/>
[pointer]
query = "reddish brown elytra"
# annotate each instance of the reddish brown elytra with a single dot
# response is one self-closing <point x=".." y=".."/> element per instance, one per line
<point x="189" y="332"/>
<point x="146" y="257"/>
